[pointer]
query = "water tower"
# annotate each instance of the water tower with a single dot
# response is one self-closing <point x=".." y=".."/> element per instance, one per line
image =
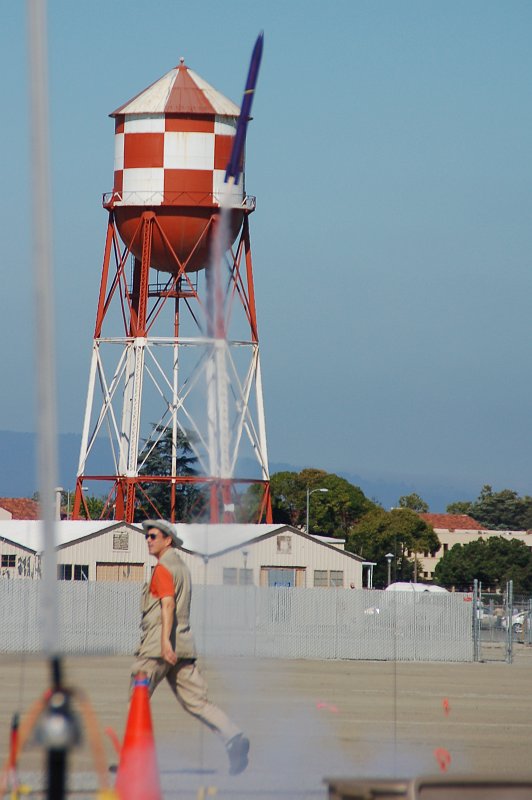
<point x="150" y="367"/>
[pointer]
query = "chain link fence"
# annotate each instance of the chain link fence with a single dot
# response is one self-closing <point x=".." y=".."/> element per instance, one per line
<point x="251" y="621"/>
<point x="500" y="622"/>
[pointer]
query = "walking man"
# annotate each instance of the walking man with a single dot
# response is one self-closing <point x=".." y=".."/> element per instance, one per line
<point x="167" y="648"/>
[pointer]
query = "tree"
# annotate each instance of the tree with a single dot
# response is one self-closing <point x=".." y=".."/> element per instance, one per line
<point x="94" y="503"/>
<point x="249" y="503"/>
<point x="190" y="500"/>
<point x="503" y="510"/>
<point x="401" y="532"/>
<point x="492" y="561"/>
<point x="287" y="495"/>
<point x="459" y="507"/>
<point x="331" y="513"/>
<point x="95" y="506"/>
<point x="414" y="502"/>
<point x="498" y="511"/>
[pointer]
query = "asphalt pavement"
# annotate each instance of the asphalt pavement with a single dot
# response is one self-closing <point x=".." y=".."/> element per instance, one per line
<point x="306" y="720"/>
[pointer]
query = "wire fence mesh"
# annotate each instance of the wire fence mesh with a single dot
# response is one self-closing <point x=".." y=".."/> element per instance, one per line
<point x="97" y="617"/>
<point x="502" y="620"/>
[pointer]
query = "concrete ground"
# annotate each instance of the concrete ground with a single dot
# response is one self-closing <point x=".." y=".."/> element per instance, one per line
<point x="307" y="720"/>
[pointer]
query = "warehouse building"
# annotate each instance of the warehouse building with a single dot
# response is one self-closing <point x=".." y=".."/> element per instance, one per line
<point x="259" y="555"/>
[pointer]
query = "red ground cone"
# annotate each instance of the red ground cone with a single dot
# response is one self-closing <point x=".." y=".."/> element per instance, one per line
<point x="138" y="773"/>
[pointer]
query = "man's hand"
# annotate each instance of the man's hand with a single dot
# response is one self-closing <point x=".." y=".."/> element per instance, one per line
<point x="168" y="654"/>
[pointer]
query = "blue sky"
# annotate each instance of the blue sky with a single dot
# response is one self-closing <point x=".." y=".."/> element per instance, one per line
<point x="390" y="153"/>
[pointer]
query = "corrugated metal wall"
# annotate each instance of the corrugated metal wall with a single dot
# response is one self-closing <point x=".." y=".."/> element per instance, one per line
<point x="123" y="545"/>
<point x="283" y="550"/>
<point x="269" y="622"/>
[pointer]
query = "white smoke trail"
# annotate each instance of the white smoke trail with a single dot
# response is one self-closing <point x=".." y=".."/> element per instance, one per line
<point x="217" y="375"/>
<point x="44" y="313"/>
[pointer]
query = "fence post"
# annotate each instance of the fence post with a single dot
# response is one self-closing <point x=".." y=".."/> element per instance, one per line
<point x="476" y="622"/>
<point x="255" y="618"/>
<point x="336" y="615"/>
<point x="509" y="617"/>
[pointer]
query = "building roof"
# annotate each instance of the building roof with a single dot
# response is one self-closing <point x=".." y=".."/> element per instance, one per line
<point x="180" y="91"/>
<point x="452" y="522"/>
<point x="327" y="539"/>
<point x="20" y="507"/>
<point x="210" y="540"/>
<point x="213" y="540"/>
<point x="201" y="539"/>
<point x="29" y="533"/>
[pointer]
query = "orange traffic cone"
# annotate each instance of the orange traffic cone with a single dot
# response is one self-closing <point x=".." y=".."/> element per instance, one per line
<point x="138" y="774"/>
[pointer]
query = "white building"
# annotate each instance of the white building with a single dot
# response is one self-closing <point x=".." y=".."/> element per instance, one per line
<point x="262" y="555"/>
<point x="460" y="529"/>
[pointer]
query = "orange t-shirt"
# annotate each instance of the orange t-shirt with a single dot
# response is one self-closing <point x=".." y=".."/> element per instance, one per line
<point x="162" y="583"/>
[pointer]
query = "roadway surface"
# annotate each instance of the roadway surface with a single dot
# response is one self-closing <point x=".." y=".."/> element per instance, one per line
<point x="306" y="720"/>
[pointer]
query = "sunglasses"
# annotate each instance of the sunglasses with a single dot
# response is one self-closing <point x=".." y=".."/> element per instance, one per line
<point x="151" y="536"/>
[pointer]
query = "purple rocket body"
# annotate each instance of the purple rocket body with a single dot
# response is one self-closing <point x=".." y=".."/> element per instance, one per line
<point x="234" y="166"/>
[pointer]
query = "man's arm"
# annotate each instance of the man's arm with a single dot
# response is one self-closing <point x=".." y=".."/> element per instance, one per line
<point x="167" y="618"/>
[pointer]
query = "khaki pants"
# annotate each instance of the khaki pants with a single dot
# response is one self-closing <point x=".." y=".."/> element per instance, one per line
<point x="189" y="686"/>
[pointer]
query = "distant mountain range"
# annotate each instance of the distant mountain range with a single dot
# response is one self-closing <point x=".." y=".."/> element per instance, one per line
<point x="18" y="472"/>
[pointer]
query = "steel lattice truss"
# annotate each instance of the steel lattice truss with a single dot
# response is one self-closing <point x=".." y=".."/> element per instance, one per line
<point x="143" y="385"/>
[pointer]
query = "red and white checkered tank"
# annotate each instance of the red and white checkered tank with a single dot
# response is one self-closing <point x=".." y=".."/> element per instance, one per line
<point x="172" y="145"/>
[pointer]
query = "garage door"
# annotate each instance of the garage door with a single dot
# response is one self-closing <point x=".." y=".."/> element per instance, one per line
<point x="281" y="576"/>
<point x="119" y="572"/>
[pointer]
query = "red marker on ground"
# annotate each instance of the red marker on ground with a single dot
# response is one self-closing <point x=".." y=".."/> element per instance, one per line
<point x="443" y="757"/>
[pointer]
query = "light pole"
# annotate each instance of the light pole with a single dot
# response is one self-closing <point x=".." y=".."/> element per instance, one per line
<point x="389" y="557"/>
<point x="309" y="492"/>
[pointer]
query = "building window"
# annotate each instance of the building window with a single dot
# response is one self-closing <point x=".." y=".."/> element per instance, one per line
<point x="337" y="577"/>
<point x="121" y="541"/>
<point x="9" y="560"/>
<point x="64" y="572"/>
<point x="81" y="572"/>
<point x="245" y="577"/>
<point x="230" y="576"/>
<point x="77" y="572"/>
<point x="321" y="577"/>
<point x="237" y="577"/>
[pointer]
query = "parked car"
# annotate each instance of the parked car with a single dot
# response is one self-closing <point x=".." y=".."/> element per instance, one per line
<point x="519" y="619"/>
<point x="489" y="617"/>
<point x="404" y="586"/>
<point x="388" y="609"/>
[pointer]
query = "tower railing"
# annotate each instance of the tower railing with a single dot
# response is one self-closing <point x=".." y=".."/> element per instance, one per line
<point x="183" y="198"/>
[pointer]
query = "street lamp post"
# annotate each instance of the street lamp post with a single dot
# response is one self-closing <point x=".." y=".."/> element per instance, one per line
<point x="389" y="557"/>
<point x="309" y="492"/>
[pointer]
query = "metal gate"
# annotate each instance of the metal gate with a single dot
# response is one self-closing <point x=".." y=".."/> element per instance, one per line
<point x="501" y="622"/>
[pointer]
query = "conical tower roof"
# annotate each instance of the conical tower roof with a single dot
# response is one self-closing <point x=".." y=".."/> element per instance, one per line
<point x="180" y="91"/>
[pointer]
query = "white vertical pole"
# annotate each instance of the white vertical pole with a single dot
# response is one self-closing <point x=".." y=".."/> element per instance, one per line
<point x="261" y="422"/>
<point x="131" y="410"/>
<point x="175" y="388"/>
<point x="88" y="410"/>
<point x="44" y="314"/>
